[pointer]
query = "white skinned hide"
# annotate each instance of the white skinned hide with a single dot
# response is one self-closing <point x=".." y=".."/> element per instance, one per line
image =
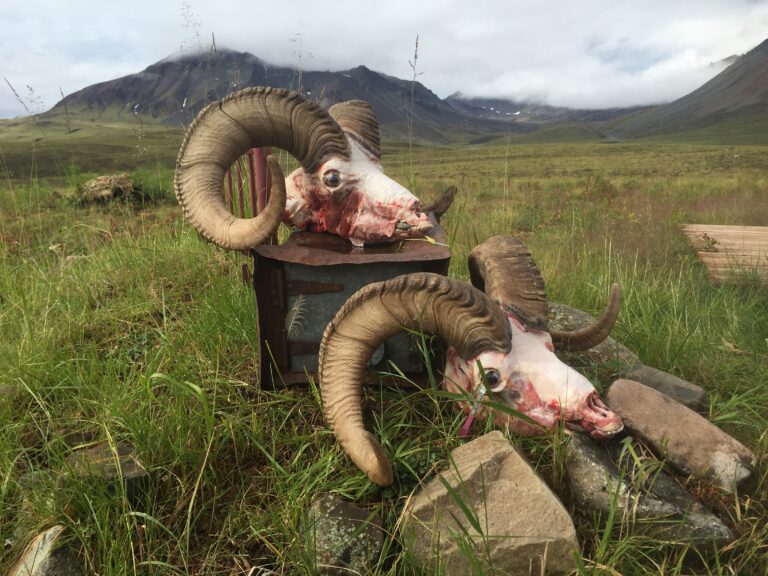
<point x="366" y="206"/>
<point x="534" y="382"/>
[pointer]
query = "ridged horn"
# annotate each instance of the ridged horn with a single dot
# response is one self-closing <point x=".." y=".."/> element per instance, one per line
<point x="225" y="130"/>
<point x="461" y="315"/>
<point x="356" y="117"/>
<point x="504" y="269"/>
<point x="590" y="336"/>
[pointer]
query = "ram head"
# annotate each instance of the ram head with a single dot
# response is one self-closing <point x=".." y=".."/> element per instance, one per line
<point x="340" y="187"/>
<point x="499" y="345"/>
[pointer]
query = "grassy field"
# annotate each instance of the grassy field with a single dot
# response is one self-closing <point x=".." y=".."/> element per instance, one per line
<point x="103" y="142"/>
<point x="120" y="324"/>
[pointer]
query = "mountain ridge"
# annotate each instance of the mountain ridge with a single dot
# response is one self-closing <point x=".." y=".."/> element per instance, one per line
<point x="731" y="107"/>
<point x="175" y="89"/>
<point x="739" y="92"/>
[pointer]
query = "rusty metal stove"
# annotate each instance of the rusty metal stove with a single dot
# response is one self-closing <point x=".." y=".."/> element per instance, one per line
<point x="301" y="284"/>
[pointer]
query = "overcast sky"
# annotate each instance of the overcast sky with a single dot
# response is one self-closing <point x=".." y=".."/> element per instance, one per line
<point x="576" y="53"/>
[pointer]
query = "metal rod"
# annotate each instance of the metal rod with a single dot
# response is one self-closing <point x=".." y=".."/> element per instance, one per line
<point x="252" y="185"/>
<point x="260" y="161"/>
<point x="240" y="189"/>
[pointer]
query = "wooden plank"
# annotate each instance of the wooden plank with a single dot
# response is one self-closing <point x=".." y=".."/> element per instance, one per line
<point x="720" y="260"/>
<point x="738" y="257"/>
<point x="751" y="246"/>
<point x="730" y="252"/>
<point x="732" y="230"/>
<point x="726" y="247"/>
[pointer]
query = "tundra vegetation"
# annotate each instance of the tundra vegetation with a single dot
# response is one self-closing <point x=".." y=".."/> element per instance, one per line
<point x="120" y="323"/>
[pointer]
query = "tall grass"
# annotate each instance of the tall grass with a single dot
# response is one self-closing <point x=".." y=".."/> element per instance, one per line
<point x="120" y="324"/>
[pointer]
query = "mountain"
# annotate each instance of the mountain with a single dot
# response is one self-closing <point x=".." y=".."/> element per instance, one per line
<point x="734" y="101"/>
<point x="141" y="115"/>
<point x="175" y="89"/>
<point x="531" y="112"/>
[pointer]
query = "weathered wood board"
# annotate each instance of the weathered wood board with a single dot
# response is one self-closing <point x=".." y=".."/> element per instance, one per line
<point x="731" y="252"/>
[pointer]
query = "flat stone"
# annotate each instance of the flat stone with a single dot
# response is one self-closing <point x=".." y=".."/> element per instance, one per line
<point x="490" y="510"/>
<point x="347" y="539"/>
<point x="111" y="466"/>
<point x="688" y="394"/>
<point x="687" y="440"/>
<point x="606" y="361"/>
<point x="45" y="556"/>
<point x="644" y="496"/>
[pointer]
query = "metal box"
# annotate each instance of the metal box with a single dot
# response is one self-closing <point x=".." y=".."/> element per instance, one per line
<point x="301" y="284"/>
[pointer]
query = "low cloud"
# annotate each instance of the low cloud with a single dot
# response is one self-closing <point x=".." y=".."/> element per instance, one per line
<point x="583" y="55"/>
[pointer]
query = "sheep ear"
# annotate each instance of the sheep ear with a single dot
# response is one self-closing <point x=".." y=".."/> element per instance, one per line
<point x="440" y="206"/>
<point x="357" y="119"/>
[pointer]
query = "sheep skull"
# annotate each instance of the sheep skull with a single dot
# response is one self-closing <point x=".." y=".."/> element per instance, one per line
<point x="500" y="323"/>
<point x="340" y="187"/>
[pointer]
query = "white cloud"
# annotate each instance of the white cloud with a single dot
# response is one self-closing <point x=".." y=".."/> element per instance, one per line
<point x="579" y="54"/>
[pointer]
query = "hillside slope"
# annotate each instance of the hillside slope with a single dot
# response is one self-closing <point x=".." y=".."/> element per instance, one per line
<point x="531" y="112"/>
<point x="735" y="98"/>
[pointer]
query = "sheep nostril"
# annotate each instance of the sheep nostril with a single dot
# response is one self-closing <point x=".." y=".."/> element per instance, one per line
<point x="596" y="404"/>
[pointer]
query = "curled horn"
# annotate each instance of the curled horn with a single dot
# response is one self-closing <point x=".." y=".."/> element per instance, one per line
<point x="356" y="117"/>
<point x="590" y="336"/>
<point x="223" y="131"/>
<point x="504" y="269"/>
<point x="455" y="311"/>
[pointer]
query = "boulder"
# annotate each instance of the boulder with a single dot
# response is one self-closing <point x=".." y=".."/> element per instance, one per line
<point x="688" y="394"/>
<point x="642" y="495"/>
<point x="688" y="441"/>
<point x="347" y="539"/>
<point x="489" y="511"/>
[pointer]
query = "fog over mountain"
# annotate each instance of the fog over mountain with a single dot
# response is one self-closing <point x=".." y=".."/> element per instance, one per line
<point x="174" y="90"/>
<point x="585" y="55"/>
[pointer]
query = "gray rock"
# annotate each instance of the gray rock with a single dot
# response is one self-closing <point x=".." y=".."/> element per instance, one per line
<point x="347" y="539"/>
<point x="489" y="512"/>
<point x="643" y="496"/>
<point x="112" y="466"/>
<point x="689" y="442"/>
<point x="688" y="394"/>
<point x="46" y="556"/>
<point x="606" y="361"/>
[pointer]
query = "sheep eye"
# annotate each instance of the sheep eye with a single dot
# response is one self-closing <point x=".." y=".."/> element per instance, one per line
<point x="492" y="378"/>
<point x="332" y="179"/>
